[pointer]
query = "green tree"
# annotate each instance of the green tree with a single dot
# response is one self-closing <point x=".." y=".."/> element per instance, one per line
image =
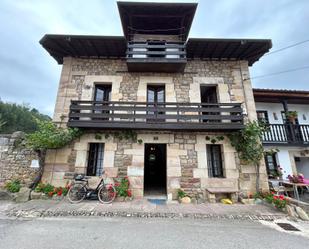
<point x="14" y="117"/>
<point x="49" y="136"/>
<point x="249" y="147"/>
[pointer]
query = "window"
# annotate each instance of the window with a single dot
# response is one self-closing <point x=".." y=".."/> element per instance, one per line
<point x="262" y="116"/>
<point x="214" y="159"/>
<point x="155" y="96"/>
<point x="95" y="159"/>
<point x="271" y="165"/>
<point x="285" y="120"/>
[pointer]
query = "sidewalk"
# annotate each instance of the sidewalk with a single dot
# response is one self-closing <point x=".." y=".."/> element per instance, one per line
<point x="139" y="208"/>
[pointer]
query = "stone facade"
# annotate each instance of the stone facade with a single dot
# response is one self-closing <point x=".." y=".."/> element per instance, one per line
<point x="186" y="152"/>
<point x="16" y="162"/>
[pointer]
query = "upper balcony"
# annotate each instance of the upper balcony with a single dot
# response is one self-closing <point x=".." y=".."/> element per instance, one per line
<point x="156" y="116"/>
<point x="156" y="56"/>
<point x="286" y="134"/>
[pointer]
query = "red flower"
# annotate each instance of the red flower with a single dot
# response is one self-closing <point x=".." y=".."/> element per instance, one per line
<point x="59" y="193"/>
<point x="281" y="197"/>
<point x="275" y="197"/>
<point x="50" y="194"/>
<point x="129" y="193"/>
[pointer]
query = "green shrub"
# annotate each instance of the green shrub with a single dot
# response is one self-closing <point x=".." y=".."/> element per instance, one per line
<point x="13" y="186"/>
<point x="181" y="193"/>
<point x="49" y="136"/>
<point x="122" y="187"/>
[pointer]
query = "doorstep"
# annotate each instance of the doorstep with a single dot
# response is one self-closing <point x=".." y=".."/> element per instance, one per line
<point x="141" y="208"/>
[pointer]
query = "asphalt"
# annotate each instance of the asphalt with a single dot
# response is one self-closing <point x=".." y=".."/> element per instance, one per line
<point x="103" y="232"/>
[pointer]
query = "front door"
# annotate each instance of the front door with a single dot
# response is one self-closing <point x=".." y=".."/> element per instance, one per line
<point x="155" y="169"/>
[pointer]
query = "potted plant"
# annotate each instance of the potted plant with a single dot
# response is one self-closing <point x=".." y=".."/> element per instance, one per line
<point x="291" y="116"/>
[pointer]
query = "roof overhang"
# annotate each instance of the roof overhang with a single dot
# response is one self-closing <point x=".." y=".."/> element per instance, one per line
<point x="82" y="46"/>
<point x="85" y="46"/>
<point x="280" y="95"/>
<point x="228" y="49"/>
<point x="156" y="18"/>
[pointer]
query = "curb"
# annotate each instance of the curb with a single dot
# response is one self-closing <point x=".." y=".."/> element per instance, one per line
<point x="61" y="213"/>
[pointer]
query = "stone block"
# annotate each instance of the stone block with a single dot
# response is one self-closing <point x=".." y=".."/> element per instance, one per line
<point x="229" y="160"/>
<point x="110" y="147"/>
<point x="58" y="175"/>
<point x="231" y="173"/>
<point x="59" y="183"/>
<point x="81" y="158"/>
<point x="174" y="171"/>
<point x="108" y="160"/>
<point x="111" y="172"/>
<point x="35" y="195"/>
<point x="138" y="161"/>
<point x="176" y="152"/>
<point x="136" y="152"/>
<point x="80" y="170"/>
<point x="23" y="195"/>
<point x="61" y="168"/>
<point x="137" y="193"/>
<point x="81" y="146"/>
<point x="173" y="183"/>
<point x="173" y="161"/>
<point x="136" y="182"/>
<point x="200" y="173"/>
<point x="135" y="171"/>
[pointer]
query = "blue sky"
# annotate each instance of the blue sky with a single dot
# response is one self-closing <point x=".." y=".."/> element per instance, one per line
<point x="29" y="75"/>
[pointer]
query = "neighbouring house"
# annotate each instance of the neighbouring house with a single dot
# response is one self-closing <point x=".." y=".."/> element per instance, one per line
<point x="286" y="113"/>
<point x="155" y="105"/>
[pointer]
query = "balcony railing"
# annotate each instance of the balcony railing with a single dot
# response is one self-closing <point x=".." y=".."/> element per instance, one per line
<point x="286" y="134"/>
<point x="156" y="56"/>
<point x="155" y="116"/>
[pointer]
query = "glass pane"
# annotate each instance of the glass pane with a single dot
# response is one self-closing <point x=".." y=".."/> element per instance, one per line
<point x="161" y="96"/>
<point x="99" y="94"/>
<point x="151" y="95"/>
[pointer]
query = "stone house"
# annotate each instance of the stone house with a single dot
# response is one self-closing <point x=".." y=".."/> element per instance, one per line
<point x="291" y="137"/>
<point x="180" y="96"/>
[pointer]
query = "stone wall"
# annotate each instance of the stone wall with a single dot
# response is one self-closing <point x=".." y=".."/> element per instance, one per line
<point x="186" y="162"/>
<point x="16" y="162"/>
<point x="186" y="152"/>
<point x="80" y="75"/>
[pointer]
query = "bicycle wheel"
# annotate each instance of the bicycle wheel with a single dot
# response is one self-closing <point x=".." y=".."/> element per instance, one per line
<point x="77" y="193"/>
<point x="107" y="194"/>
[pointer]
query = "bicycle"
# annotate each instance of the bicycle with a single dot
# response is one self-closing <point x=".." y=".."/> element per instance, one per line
<point x="80" y="190"/>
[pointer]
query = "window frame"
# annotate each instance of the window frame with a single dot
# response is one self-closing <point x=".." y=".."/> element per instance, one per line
<point x="213" y="170"/>
<point x="266" y="119"/>
<point x="95" y="159"/>
<point x="273" y="172"/>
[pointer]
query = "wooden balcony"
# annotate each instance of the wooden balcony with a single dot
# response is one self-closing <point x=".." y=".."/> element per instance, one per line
<point x="156" y="56"/>
<point x="156" y="116"/>
<point x="286" y="134"/>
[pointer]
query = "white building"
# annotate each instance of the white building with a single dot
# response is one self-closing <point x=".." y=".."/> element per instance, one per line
<point x="291" y="138"/>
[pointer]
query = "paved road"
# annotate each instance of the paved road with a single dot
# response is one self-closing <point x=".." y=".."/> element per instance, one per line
<point x="105" y="233"/>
